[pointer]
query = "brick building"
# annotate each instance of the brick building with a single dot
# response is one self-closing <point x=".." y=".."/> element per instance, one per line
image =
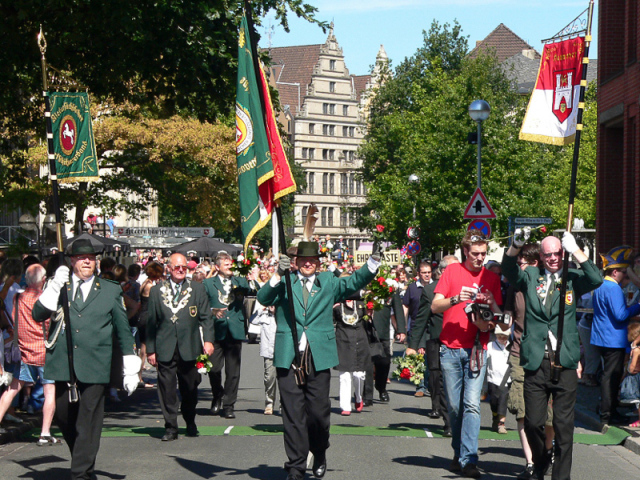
<point x="618" y="157"/>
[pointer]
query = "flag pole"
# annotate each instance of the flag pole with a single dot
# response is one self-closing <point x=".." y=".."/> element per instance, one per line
<point x="556" y="367"/>
<point x="299" y="374"/>
<point x="74" y="394"/>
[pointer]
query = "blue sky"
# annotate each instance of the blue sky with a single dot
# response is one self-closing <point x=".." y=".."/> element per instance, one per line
<point x="361" y="26"/>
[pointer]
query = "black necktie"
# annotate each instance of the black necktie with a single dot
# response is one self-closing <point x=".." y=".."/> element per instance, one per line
<point x="78" y="298"/>
<point x="305" y="291"/>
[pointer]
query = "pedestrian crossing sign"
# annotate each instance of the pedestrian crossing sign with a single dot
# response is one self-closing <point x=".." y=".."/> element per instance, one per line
<point x="478" y="206"/>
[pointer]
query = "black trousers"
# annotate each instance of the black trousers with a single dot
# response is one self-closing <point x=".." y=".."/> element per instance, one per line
<point x="537" y="389"/>
<point x="188" y="381"/>
<point x="378" y="372"/>
<point x="81" y="425"/>
<point x="611" y="378"/>
<point x="306" y="412"/>
<point x="227" y="353"/>
<point x="498" y="397"/>
<point x="436" y="380"/>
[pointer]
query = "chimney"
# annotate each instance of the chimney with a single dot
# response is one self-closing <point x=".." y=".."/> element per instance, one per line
<point x="529" y="53"/>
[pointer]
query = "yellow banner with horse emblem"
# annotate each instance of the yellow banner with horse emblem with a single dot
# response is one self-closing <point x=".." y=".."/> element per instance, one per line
<point x="73" y="142"/>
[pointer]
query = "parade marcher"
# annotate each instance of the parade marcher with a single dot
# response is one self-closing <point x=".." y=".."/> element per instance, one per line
<point x="542" y="297"/>
<point x="431" y="324"/>
<point x="177" y="309"/>
<point x="306" y="408"/>
<point x="498" y="378"/>
<point x="226" y="296"/>
<point x="461" y="293"/>
<point x="609" y="329"/>
<point x="514" y="308"/>
<point x="96" y="310"/>
<point x="353" y="351"/>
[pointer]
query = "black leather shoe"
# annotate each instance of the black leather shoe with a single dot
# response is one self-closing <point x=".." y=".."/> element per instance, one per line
<point x="435" y="413"/>
<point x="169" y="437"/>
<point x="216" y="406"/>
<point x="295" y="475"/>
<point x="192" y="430"/>
<point x="319" y="465"/>
<point x="367" y="403"/>
<point x="384" y="397"/>
<point x="446" y="432"/>
<point x="227" y="412"/>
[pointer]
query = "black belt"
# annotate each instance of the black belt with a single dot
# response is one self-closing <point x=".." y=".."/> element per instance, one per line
<point x="546" y="355"/>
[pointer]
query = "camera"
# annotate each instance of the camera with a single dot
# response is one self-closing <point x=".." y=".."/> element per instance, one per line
<point x="481" y="311"/>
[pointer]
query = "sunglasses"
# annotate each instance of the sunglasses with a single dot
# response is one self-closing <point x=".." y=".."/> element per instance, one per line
<point x="478" y="238"/>
<point x="522" y="263"/>
<point x="552" y="254"/>
<point x="179" y="267"/>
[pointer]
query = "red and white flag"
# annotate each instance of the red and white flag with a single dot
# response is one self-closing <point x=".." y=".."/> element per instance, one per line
<point x="553" y="108"/>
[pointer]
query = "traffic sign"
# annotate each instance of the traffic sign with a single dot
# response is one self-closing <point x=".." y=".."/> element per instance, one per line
<point x="480" y="225"/>
<point x="479" y="207"/>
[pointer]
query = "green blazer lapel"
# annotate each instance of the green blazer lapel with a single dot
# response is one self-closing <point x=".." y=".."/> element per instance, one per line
<point x="93" y="293"/>
<point x="296" y="289"/>
<point x="315" y="288"/>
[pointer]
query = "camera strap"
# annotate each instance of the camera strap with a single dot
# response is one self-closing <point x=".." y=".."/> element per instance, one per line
<point x="476" y="361"/>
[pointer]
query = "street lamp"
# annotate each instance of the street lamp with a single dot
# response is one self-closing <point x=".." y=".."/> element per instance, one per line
<point x="479" y="111"/>
<point x="28" y="223"/>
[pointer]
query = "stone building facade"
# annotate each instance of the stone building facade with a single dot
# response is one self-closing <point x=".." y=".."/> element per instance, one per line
<point x="325" y="109"/>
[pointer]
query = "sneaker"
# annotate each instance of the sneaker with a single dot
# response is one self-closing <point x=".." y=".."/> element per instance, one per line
<point x="359" y="406"/>
<point x="527" y="473"/>
<point x="470" y="470"/>
<point x="48" y="440"/>
<point x="455" y="465"/>
<point x="502" y="430"/>
<point x="268" y="410"/>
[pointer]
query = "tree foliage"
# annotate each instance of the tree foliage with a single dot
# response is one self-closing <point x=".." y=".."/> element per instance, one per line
<point x="165" y="74"/>
<point x="419" y="124"/>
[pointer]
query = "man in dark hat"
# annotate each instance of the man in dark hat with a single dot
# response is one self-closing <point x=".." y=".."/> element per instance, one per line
<point x="306" y="408"/>
<point x="96" y="311"/>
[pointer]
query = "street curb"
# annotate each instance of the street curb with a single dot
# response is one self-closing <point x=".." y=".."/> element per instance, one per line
<point x="591" y="420"/>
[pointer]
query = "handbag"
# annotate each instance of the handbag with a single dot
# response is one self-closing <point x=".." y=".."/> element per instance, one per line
<point x="375" y="346"/>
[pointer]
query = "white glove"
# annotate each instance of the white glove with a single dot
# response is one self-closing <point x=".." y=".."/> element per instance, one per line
<point x="520" y="236"/>
<point x="569" y="243"/>
<point x="6" y="378"/>
<point x="131" y="367"/>
<point x="49" y="298"/>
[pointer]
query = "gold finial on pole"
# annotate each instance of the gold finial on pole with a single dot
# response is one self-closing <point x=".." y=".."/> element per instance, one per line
<point x="42" y="43"/>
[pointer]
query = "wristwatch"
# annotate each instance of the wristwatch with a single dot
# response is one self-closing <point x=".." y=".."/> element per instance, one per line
<point x="454" y="300"/>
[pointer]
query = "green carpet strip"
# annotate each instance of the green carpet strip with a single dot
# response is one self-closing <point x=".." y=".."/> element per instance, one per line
<point x="613" y="436"/>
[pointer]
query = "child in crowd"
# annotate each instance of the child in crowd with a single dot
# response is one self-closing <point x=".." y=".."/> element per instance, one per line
<point x="498" y="378"/>
<point x="630" y="388"/>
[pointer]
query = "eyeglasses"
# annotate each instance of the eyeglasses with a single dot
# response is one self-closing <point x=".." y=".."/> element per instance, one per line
<point x="179" y="267"/>
<point x="522" y="263"/>
<point x="552" y="254"/>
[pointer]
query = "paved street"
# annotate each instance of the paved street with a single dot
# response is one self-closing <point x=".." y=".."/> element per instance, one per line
<point x="383" y="442"/>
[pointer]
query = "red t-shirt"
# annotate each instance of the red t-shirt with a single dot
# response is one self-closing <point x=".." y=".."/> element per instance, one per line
<point x="457" y="331"/>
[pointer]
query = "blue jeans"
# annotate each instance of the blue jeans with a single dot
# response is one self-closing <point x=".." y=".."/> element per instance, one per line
<point x="463" y="388"/>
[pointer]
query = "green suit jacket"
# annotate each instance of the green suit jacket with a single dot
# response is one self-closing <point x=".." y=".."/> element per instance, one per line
<point x="382" y="318"/>
<point x="167" y="328"/>
<point x="92" y="328"/>
<point x="232" y="323"/>
<point x="537" y="323"/>
<point x="427" y="322"/>
<point x="316" y="320"/>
